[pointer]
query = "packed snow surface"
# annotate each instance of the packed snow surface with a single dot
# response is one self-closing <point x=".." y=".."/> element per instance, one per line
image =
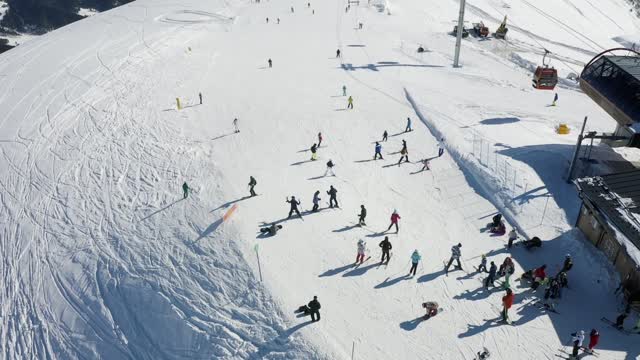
<point x="102" y="258"/>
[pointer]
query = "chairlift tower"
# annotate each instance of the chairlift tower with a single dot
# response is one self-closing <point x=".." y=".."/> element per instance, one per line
<point x="460" y="29"/>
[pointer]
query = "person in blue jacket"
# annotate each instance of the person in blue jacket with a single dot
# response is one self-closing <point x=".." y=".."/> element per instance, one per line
<point x="408" y="128"/>
<point x="415" y="259"/>
<point x="378" y="151"/>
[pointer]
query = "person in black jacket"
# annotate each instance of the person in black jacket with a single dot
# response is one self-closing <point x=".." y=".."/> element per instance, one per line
<point x="332" y="196"/>
<point x="363" y="215"/>
<point x="294" y="207"/>
<point x="492" y="275"/>
<point x="314" y="307"/>
<point x="252" y="184"/>
<point x="568" y="264"/>
<point x="386" y="247"/>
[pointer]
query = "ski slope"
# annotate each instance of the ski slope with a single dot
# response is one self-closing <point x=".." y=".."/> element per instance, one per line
<point x="102" y="258"/>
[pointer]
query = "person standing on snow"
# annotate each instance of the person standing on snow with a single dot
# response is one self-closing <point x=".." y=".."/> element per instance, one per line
<point x="200" y="96"/>
<point x="455" y="255"/>
<point x="316" y="201"/>
<point x="386" y="247"/>
<point x="294" y="207"/>
<point x="361" y="249"/>
<point x="329" y="168"/>
<point x="319" y="139"/>
<point x="568" y="264"/>
<point x="404" y="154"/>
<point x="394" y="220"/>
<point x="267" y="20"/>
<point x="512" y="237"/>
<point x="378" y="152"/>
<point x="252" y="184"/>
<point x="425" y="165"/>
<point x="344" y="90"/>
<point x="362" y="216"/>
<point x="507" y="302"/>
<point x="314" y="149"/>
<point x="270" y="63"/>
<point x="385" y="135"/>
<point x="338" y="53"/>
<point x="350" y="103"/>
<point x="576" y="339"/>
<point x="235" y="125"/>
<point x="594" y="338"/>
<point x="185" y="190"/>
<point x="332" y="197"/>
<point x="292" y="10"/>
<point x="483" y="264"/>
<point x="539" y="275"/>
<point x="415" y="259"/>
<point x="555" y="100"/>
<point x="408" y="127"/>
<point x="440" y="147"/>
<point x="492" y="275"/>
<point x="314" y="308"/>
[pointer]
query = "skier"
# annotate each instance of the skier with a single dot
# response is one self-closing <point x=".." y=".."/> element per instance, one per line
<point x="408" y="127"/>
<point x="252" y="184"/>
<point x="361" y="248"/>
<point x="415" y="259"/>
<point x="235" y="125"/>
<point x="425" y="164"/>
<point x="534" y="242"/>
<point x="292" y="10"/>
<point x="294" y="207"/>
<point x="576" y="339"/>
<point x="594" y="338"/>
<point x="344" y="90"/>
<point x="329" y="168"/>
<point x="314" y="149"/>
<point x="332" y="197"/>
<point x="267" y="20"/>
<point x="200" y="96"/>
<point x="278" y="20"/>
<point x="512" y="237"/>
<point x="362" y="216"/>
<point x="455" y="255"/>
<point x="350" y="103"/>
<point x="360" y="26"/>
<point x="568" y="264"/>
<point x="319" y="139"/>
<point x="386" y="247"/>
<point x="440" y="147"/>
<point x="483" y="264"/>
<point x="270" y="63"/>
<point x="314" y="307"/>
<point x="271" y="230"/>
<point x="394" y="220"/>
<point x="550" y="293"/>
<point x="562" y="280"/>
<point x="378" y="152"/>
<point x="555" y="100"/>
<point x="385" y="135"/>
<point x="539" y="275"/>
<point x="404" y="154"/>
<point x="185" y="190"/>
<point x="507" y="301"/>
<point x="492" y="275"/>
<point x="338" y="53"/>
<point x="308" y="5"/>
<point x="316" y="201"/>
<point x="404" y="145"/>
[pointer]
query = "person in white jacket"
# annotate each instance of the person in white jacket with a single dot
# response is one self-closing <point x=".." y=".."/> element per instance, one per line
<point x="576" y="339"/>
<point x="361" y="249"/>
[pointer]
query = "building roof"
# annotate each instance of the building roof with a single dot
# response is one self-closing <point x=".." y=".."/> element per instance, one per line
<point x="629" y="64"/>
<point x="617" y="197"/>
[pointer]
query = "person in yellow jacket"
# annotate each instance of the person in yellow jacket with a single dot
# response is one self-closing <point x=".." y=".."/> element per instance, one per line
<point x="350" y="103"/>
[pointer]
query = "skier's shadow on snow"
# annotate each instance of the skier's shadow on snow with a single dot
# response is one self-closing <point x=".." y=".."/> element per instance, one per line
<point x="477" y="294"/>
<point x="387" y="282"/>
<point x="476" y="329"/>
<point x="229" y="203"/>
<point x="210" y="229"/>
<point x="318" y="177"/>
<point x="346" y="228"/>
<point x="300" y="162"/>
<point x="360" y="270"/>
<point x="432" y="276"/>
<point x="160" y="210"/>
<point x="378" y="234"/>
<point x="411" y="325"/>
<point x="280" y="341"/>
<point x="336" y="271"/>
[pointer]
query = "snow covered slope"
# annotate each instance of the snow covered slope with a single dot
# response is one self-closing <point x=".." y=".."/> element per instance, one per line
<point x="102" y="258"/>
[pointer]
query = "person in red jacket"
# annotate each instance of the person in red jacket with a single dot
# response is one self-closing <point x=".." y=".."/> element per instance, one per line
<point x="507" y="301"/>
<point x="594" y="337"/>
<point x="538" y="276"/>
<point x="394" y="220"/>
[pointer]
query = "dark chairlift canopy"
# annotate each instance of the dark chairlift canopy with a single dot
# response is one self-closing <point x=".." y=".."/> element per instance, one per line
<point x="613" y="82"/>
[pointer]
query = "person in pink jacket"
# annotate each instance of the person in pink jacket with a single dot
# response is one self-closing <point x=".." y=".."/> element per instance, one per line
<point x="394" y="220"/>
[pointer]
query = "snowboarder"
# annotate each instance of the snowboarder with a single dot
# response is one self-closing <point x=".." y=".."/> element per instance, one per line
<point x="492" y="275"/>
<point x="338" y="53"/>
<point x="404" y="154"/>
<point x="185" y="190"/>
<point x="235" y="125"/>
<point x="594" y="338"/>
<point x="507" y="301"/>
<point x="329" y="168"/>
<point x="534" y="242"/>
<point x="483" y="355"/>
<point x="319" y="139"/>
<point x="432" y="309"/>
<point x="362" y="216"/>
<point x="394" y="220"/>
<point x="555" y="100"/>
<point x="455" y="255"/>
<point x="551" y="293"/>
<point x="441" y="147"/>
<point x="314" y="149"/>
<point x="385" y="135"/>
<point x="350" y="103"/>
<point x="539" y="275"/>
<point x="332" y="197"/>
<point x="294" y="207"/>
<point x="378" y="152"/>
<point x="270" y="63"/>
<point x="252" y="184"/>
<point x="496" y="220"/>
<point x="500" y="229"/>
<point x="200" y="96"/>
<point x="568" y="264"/>
<point x="316" y="201"/>
<point x="314" y="307"/>
<point x="271" y="230"/>
<point x="483" y="263"/>
<point x="576" y="339"/>
<point x="512" y="237"/>
<point x="344" y="90"/>
<point x="415" y="259"/>
<point x="386" y="247"/>
<point x="361" y="248"/>
<point x="408" y="127"/>
<point x="425" y="164"/>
